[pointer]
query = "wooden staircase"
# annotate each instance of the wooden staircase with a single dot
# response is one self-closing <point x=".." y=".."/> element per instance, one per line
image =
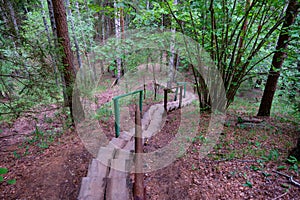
<point x="108" y="174"/>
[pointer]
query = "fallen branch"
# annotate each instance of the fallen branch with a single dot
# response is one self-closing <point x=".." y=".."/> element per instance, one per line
<point x="280" y="195"/>
<point x="7" y="136"/>
<point x="289" y="177"/>
<point x="115" y="82"/>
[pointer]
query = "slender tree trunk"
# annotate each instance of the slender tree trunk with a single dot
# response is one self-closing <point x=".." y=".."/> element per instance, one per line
<point x="214" y="39"/>
<point x="2" y="12"/>
<point x="45" y="23"/>
<point x="83" y="35"/>
<point x="6" y="22"/>
<point x="13" y="17"/>
<point x="52" y="20"/>
<point x="278" y="59"/>
<point x="49" y="41"/>
<point x="103" y="27"/>
<point x="242" y="36"/>
<point x="54" y="35"/>
<point x="172" y="57"/>
<point x="70" y="17"/>
<point x="118" y="36"/>
<point x="122" y="23"/>
<point x="67" y="58"/>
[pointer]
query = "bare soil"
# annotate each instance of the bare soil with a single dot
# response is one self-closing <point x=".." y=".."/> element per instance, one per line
<point x="41" y="172"/>
<point x="232" y="170"/>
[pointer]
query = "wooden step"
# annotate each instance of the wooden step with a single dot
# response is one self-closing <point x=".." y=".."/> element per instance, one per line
<point x="123" y="154"/>
<point x="97" y="168"/>
<point x="118" y="143"/>
<point x="118" y="179"/>
<point x="117" y="189"/>
<point x="119" y="167"/>
<point x="105" y="154"/>
<point x="92" y="188"/>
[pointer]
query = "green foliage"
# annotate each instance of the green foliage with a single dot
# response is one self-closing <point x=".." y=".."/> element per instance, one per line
<point x="273" y="155"/>
<point x="281" y="167"/>
<point x="294" y="162"/>
<point x="16" y="155"/>
<point x="104" y="112"/>
<point x="27" y="73"/>
<point x="248" y="184"/>
<point x="255" y="168"/>
<point x="5" y="171"/>
<point x="11" y="181"/>
<point x="40" y="139"/>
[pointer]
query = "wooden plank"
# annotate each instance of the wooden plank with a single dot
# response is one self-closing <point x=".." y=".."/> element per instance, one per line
<point x="117" y="189"/>
<point x="123" y="154"/>
<point x="97" y="168"/>
<point x="105" y="154"/>
<point x="92" y="188"/>
<point x="117" y="143"/>
<point x="119" y="167"/>
<point x="125" y="135"/>
<point x="129" y="146"/>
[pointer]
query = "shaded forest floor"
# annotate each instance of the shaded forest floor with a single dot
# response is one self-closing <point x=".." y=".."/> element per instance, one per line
<point x="241" y="166"/>
<point x="49" y="162"/>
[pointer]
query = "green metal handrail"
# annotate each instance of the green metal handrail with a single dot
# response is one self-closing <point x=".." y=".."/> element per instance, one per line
<point x="117" y="108"/>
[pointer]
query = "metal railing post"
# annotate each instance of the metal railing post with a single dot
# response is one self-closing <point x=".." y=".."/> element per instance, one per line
<point x="117" y="108"/>
<point x="117" y="117"/>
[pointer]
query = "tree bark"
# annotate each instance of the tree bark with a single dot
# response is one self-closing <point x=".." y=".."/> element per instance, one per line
<point x="278" y="59"/>
<point x="3" y="16"/>
<point x="67" y="58"/>
<point x="73" y="33"/>
<point x="49" y="41"/>
<point x="85" y="44"/>
<point x="172" y="57"/>
<point x="52" y="20"/>
<point x="13" y="17"/>
<point x="118" y="36"/>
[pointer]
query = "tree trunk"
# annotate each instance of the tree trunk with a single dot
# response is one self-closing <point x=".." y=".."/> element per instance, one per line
<point x="6" y="22"/>
<point x="118" y="36"/>
<point x="13" y="17"/>
<point x="67" y="58"/>
<point x="73" y="33"/>
<point x="122" y="23"/>
<point x="278" y="59"/>
<point x="213" y="32"/>
<point x="242" y="36"/>
<point x="172" y="57"/>
<point x="2" y="12"/>
<point x="49" y="41"/>
<point x="52" y="20"/>
<point x="83" y="38"/>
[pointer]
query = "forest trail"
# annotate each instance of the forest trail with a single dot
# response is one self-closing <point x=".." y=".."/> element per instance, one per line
<point x="108" y="174"/>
